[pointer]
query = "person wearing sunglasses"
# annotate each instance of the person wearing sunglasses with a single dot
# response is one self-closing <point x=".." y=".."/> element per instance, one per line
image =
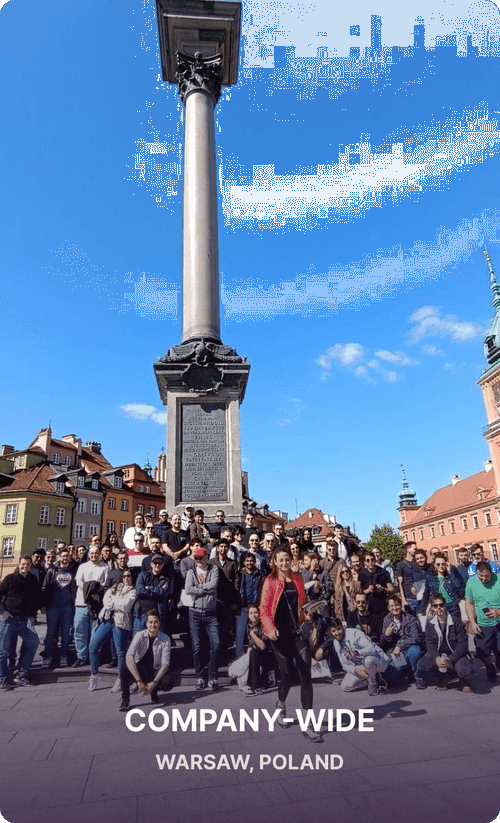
<point x="447" y="653"/>
<point x="477" y="554"/>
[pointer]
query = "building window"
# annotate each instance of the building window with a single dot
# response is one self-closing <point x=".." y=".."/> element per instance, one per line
<point x="420" y="534"/>
<point x="475" y="521"/>
<point x="93" y="530"/>
<point x="41" y="543"/>
<point x="111" y="503"/>
<point x="413" y="536"/>
<point x="431" y="531"/>
<point x="11" y="513"/>
<point x="110" y="526"/>
<point x="141" y="489"/>
<point x="20" y="461"/>
<point x="81" y="505"/>
<point x="118" y="483"/>
<point x="60" y="516"/>
<point x="60" y="488"/>
<point x="123" y="529"/>
<point x="148" y="489"/>
<point x="441" y="529"/>
<point x="487" y="518"/>
<point x="451" y="524"/>
<point x="405" y="537"/>
<point x="79" y="531"/>
<point x="95" y="484"/>
<point x="95" y="507"/>
<point x="124" y="505"/>
<point x="8" y="547"/>
<point x="44" y="518"/>
<point x="67" y="460"/>
<point x="125" y="474"/>
<point x="140" y="509"/>
<point x="493" y="551"/>
<point x="465" y="525"/>
<point x="81" y="480"/>
<point x="57" y="459"/>
<point x="152" y="511"/>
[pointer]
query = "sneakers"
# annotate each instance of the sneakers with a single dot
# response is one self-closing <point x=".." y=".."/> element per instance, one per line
<point x="124" y="705"/>
<point x="372" y="689"/>
<point x="248" y="692"/>
<point x="214" y="685"/>
<point x="113" y="663"/>
<point x="94" y="682"/>
<point x="381" y="684"/>
<point x="117" y="686"/>
<point x="281" y="720"/>
<point x="78" y="663"/>
<point x="464" y="687"/>
<point x="491" y="672"/>
<point x="442" y="686"/>
<point x="63" y="663"/>
<point x="6" y="687"/>
<point x="47" y="663"/>
<point x="420" y="683"/>
<point x="200" y="684"/>
<point x="21" y="680"/>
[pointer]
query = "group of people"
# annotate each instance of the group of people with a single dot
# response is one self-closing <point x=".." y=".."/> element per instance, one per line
<point x="276" y="605"/>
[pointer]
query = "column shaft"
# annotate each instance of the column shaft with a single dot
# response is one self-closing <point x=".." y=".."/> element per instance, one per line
<point x="200" y="300"/>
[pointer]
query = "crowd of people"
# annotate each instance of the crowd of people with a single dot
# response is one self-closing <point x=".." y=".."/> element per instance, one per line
<point x="275" y="607"/>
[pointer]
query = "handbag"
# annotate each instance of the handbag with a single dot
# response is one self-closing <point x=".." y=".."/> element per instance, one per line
<point x="239" y="666"/>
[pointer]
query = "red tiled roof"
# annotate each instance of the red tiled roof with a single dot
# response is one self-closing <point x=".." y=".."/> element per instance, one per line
<point x="317" y="519"/>
<point x="464" y="494"/>
<point x="32" y="479"/>
<point x="63" y="443"/>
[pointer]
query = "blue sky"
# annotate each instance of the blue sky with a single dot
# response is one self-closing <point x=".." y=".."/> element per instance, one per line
<point x="352" y="278"/>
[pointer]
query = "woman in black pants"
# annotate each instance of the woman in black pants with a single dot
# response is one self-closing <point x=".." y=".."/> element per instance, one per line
<point x="281" y="601"/>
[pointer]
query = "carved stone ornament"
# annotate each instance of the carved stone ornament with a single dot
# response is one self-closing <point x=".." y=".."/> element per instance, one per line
<point x="198" y="72"/>
<point x="202" y="352"/>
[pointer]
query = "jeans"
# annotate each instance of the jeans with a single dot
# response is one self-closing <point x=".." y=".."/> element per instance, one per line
<point x="139" y="623"/>
<point x="372" y="664"/>
<point x="63" y="616"/>
<point x="10" y="630"/>
<point x="83" y="627"/>
<point x="241" y="625"/>
<point x="197" y="622"/>
<point x="101" y="634"/>
<point x="395" y="674"/>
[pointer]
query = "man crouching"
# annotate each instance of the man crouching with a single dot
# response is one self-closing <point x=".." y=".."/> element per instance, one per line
<point x="147" y="661"/>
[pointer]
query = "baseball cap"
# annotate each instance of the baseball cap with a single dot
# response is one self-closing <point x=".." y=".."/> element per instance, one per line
<point x="163" y="511"/>
<point x="157" y="557"/>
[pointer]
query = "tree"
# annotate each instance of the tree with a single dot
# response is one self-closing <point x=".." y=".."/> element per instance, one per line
<point x="389" y="542"/>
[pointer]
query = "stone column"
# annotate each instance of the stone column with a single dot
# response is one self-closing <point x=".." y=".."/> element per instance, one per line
<point x="199" y="87"/>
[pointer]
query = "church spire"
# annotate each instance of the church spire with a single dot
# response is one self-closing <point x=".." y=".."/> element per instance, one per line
<point x="492" y="339"/>
<point x="407" y="497"/>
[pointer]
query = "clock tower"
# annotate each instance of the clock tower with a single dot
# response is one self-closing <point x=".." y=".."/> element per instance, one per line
<point x="490" y="379"/>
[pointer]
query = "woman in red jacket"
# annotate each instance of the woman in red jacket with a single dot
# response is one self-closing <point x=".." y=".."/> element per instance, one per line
<point x="281" y="600"/>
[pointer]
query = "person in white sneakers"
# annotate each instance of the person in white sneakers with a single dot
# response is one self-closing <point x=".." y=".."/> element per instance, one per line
<point x="116" y="617"/>
<point x="147" y="661"/>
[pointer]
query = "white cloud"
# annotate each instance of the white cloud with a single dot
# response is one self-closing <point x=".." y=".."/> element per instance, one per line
<point x="429" y="323"/>
<point x="361" y="371"/>
<point x="433" y="351"/>
<point x="346" y="354"/>
<point x="143" y="411"/>
<point x="398" y="358"/>
<point x="391" y="376"/>
<point x="284" y="422"/>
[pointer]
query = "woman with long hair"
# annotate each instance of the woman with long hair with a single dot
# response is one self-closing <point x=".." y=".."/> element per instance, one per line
<point x="445" y="584"/>
<point x="306" y="541"/>
<point x="297" y="555"/>
<point x="281" y="600"/>
<point x="112" y="540"/>
<point x="345" y="589"/>
<point x="116" y="622"/>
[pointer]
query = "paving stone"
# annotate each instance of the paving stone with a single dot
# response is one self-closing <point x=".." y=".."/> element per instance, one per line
<point x="423" y="772"/>
<point x="123" y="810"/>
<point x="42" y="786"/>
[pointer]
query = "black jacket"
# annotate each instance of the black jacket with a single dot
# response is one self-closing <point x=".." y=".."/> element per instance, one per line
<point x="19" y="595"/>
<point x="454" y="636"/>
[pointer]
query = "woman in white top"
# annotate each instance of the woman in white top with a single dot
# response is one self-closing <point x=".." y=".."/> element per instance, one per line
<point x="139" y="527"/>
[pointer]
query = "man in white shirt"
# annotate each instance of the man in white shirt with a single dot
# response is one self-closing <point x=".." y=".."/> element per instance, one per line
<point x="93" y="570"/>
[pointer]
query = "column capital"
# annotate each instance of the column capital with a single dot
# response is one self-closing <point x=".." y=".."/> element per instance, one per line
<point x="199" y="73"/>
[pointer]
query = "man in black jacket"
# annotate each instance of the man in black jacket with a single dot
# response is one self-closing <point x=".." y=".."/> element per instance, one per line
<point x="59" y="593"/>
<point x="19" y="594"/>
<point x="447" y="647"/>
<point x="364" y="618"/>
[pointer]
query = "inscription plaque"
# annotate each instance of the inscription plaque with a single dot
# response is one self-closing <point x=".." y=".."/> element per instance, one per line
<point x="203" y="452"/>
